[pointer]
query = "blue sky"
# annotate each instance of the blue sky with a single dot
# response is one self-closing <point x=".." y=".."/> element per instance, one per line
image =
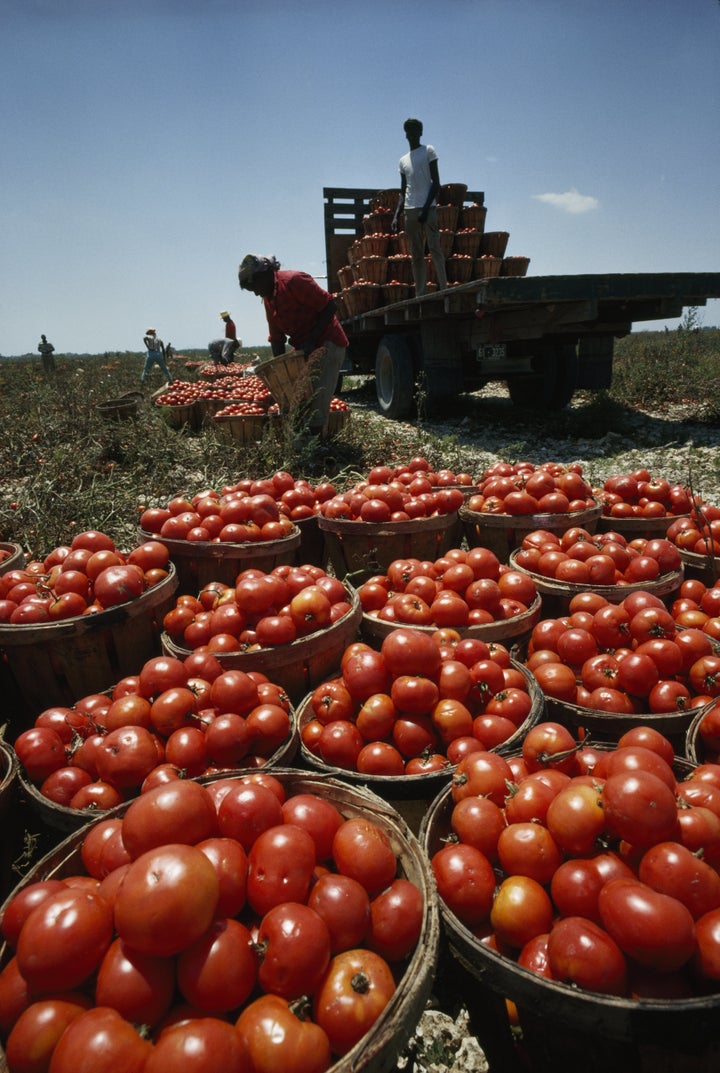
<point x="149" y="144"/>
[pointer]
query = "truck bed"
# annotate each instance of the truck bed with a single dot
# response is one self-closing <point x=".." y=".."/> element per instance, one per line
<point x="612" y="302"/>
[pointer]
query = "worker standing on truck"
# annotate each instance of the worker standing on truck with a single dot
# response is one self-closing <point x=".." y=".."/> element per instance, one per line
<point x="299" y="310"/>
<point x="419" y="186"/>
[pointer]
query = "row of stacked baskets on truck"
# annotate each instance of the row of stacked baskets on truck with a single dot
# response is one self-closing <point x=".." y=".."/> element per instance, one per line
<point x="379" y="268"/>
<point x="382" y="649"/>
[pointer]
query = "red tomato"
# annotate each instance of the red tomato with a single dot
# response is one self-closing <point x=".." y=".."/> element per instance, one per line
<point x="363" y="851"/>
<point x="167" y="899"/>
<point x="280" y="867"/>
<point x="672" y="869"/>
<point x="521" y="910"/>
<point x="275" y="1038"/>
<point x="652" y="928"/>
<point x="37" y="1030"/>
<point x="198" y="1045"/>
<point x="640" y="808"/>
<point x="64" y="939"/>
<point x="354" y="992"/>
<point x="465" y="881"/>
<point x="138" y="986"/>
<point x="344" y="905"/>
<point x="296" y="950"/>
<point x="396" y="919"/>
<point x="179" y="811"/>
<point x="582" y="953"/>
<point x="100" y="1041"/>
<point x="218" y="971"/>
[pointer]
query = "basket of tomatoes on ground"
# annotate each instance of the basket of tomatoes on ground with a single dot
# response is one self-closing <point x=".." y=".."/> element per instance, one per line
<point x="698" y="539"/>
<point x="640" y="504"/>
<point x="386" y="517"/>
<point x="467" y="590"/>
<point x="213" y="535"/>
<point x="515" y="498"/>
<point x="580" y="882"/>
<point x="293" y="623"/>
<point x="399" y="718"/>
<point x="563" y="565"/>
<point x="607" y="666"/>
<point x="79" y="619"/>
<point x="175" y="719"/>
<point x="11" y="557"/>
<point x="245" y="921"/>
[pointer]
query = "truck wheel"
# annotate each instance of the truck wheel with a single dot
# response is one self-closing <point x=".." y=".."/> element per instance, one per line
<point x="394" y="376"/>
<point x="552" y="386"/>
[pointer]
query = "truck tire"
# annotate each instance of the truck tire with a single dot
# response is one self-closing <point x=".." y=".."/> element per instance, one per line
<point x="394" y="376"/>
<point x="552" y="386"/>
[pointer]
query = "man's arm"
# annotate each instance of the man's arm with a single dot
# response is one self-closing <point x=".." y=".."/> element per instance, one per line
<point x="434" y="187"/>
<point x="324" y="318"/>
<point x="401" y="201"/>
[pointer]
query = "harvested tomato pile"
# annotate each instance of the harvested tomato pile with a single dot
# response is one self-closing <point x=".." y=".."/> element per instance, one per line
<point x="641" y="916"/>
<point x="234" y="900"/>
<point x="85" y="577"/>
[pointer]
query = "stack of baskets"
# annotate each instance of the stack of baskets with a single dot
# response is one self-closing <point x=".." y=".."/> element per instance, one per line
<point x="379" y="259"/>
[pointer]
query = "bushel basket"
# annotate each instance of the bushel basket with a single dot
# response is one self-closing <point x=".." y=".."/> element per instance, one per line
<point x="380" y="1047"/>
<point x="287" y="378"/>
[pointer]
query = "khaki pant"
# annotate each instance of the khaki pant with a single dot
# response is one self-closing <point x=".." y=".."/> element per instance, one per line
<point x="323" y="369"/>
<point x="418" y="234"/>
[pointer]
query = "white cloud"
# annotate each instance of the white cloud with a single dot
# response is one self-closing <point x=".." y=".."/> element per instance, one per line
<point x="571" y="201"/>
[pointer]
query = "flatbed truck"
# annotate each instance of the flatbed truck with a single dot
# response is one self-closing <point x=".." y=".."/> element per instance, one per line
<point x="544" y="336"/>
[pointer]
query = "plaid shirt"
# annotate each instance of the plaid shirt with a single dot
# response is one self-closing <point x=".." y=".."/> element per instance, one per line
<point x="293" y="309"/>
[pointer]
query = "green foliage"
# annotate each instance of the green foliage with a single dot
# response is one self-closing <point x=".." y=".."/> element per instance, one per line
<point x="655" y="369"/>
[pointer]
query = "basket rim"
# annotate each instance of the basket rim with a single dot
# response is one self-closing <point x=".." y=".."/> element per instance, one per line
<point x="222" y="549"/>
<point x="18" y="634"/>
<point x="355" y="527"/>
<point x="523" y="622"/>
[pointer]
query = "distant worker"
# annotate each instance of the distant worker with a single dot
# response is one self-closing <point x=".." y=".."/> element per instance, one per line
<point x="419" y="186"/>
<point x="155" y="356"/>
<point x="222" y="351"/>
<point x="46" y="352"/>
<point x="299" y="310"/>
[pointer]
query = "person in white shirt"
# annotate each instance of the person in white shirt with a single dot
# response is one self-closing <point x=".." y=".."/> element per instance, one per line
<point x="419" y="186"/>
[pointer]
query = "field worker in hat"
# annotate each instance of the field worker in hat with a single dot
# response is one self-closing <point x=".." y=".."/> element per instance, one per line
<point x="222" y="351"/>
<point x="155" y="356"/>
<point x="46" y="353"/>
<point x="298" y="310"/>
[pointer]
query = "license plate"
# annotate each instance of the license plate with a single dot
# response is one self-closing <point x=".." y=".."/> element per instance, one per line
<point x="492" y="352"/>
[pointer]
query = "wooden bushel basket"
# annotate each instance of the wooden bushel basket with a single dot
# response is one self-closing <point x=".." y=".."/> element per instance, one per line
<point x="507" y="631"/>
<point x="355" y="546"/>
<point x="514" y="266"/>
<point x="123" y="408"/>
<point x="503" y="533"/>
<point x="242" y="428"/>
<point x="556" y="595"/>
<point x="57" y="662"/>
<point x="14" y="558"/>
<point x="299" y="666"/>
<point x="467" y="242"/>
<point x="564" y="1027"/>
<point x="632" y="528"/>
<point x="200" y="562"/>
<point x="494" y="242"/>
<point x="487" y="266"/>
<point x="57" y="817"/>
<point x="287" y="378"/>
<point x="379" y="1049"/>
<point x="472" y="216"/>
<point x="704" y="567"/>
<point x="411" y="794"/>
<point x="186" y="415"/>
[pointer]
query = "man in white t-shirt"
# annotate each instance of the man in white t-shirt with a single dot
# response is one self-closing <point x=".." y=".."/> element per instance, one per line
<point x="419" y="185"/>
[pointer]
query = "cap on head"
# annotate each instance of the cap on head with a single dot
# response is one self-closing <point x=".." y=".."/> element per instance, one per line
<point x="224" y="314"/>
<point x="251" y="266"/>
<point x="150" y="331"/>
<point x="412" y="125"/>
